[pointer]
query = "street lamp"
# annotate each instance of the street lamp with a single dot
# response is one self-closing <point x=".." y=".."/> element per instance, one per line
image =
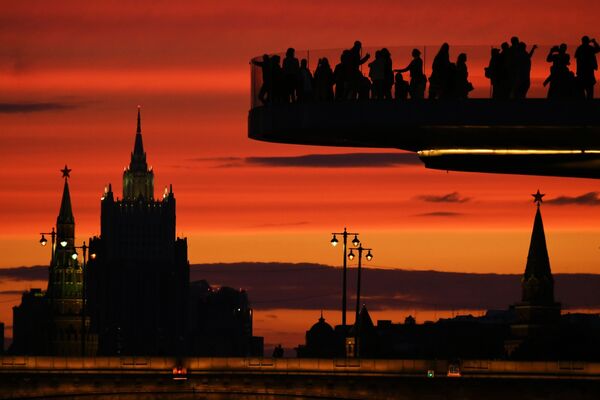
<point x="369" y="257"/>
<point x="84" y="248"/>
<point x="334" y="243"/>
<point x="44" y="241"/>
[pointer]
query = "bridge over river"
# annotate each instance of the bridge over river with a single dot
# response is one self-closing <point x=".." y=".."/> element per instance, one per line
<point x="266" y="378"/>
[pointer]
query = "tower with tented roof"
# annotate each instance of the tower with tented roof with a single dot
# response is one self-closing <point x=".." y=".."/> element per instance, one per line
<point x="53" y="323"/>
<point x="139" y="280"/>
<point x="537" y="315"/>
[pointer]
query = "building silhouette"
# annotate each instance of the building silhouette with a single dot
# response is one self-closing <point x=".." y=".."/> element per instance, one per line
<point x="139" y="280"/>
<point x="531" y="329"/>
<point x="139" y="293"/>
<point x="52" y="322"/>
<point x="537" y="315"/>
<point x="321" y="341"/>
<point x="220" y="323"/>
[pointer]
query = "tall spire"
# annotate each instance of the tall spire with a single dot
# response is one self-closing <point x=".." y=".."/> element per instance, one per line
<point x="139" y="125"/>
<point x="65" y="215"/>
<point x="538" y="284"/>
<point x="138" y="180"/>
<point x="138" y="148"/>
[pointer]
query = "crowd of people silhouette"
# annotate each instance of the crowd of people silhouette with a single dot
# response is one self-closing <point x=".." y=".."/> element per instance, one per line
<point x="509" y="72"/>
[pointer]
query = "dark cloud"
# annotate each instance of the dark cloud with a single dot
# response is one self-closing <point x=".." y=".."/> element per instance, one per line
<point x="587" y="199"/>
<point x="346" y="160"/>
<point x="36" y="273"/>
<point x="440" y="214"/>
<point x="316" y="287"/>
<point x="14" y="108"/>
<point x="11" y="292"/>
<point x="453" y="197"/>
<point x="280" y="225"/>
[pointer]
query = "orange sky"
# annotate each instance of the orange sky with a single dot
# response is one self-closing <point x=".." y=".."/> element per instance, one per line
<point x="186" y="63"/>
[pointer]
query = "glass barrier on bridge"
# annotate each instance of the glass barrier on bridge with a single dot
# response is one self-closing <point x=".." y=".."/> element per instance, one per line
<point x="478" y="59"/>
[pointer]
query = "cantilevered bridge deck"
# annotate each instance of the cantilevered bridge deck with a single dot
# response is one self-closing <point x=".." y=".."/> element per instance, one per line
<point x="533" y="136"/>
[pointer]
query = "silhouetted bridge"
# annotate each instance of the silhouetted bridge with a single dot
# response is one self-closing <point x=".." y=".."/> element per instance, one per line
<point x="536" y="136"/>
<point x="264" y="378"/>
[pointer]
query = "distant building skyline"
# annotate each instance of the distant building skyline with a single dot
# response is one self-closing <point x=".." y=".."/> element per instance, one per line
<point x="133" y="295"/>
<point x="530" y="329"/>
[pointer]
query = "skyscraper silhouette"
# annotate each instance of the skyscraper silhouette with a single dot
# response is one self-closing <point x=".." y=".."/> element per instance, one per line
<point x="138" y="282"/>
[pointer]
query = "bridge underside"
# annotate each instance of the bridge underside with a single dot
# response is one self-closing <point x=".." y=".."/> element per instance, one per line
<point x="533" y="137"/>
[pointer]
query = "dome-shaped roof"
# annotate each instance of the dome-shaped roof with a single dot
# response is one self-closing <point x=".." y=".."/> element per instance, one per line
<point x="321" y="327"/>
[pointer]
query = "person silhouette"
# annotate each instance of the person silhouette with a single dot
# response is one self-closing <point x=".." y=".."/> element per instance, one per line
<point x="356" y="81"/>
<point x="377" y="75"/>
<point x="560" y="78"/>
<point x="341" y="76"/>
<point x="418" y="80"/>
<point x="492" y="71"/>
<point x="291" y="71"/>
<point x="278" y="89"/>
<point x="324" y="81"/>
<point x="502" y="89"/>
<point x="522" y="81"/>
<point x="388" y="72"/>
<point x="265" y="94"/>
<point x="305" y="87"/>
<point x="585" y="56"/>
<point x="512" y="64"/>
<point x="440" y="73"/>
<point x="401" y="87"/>
<point x="462" y="85"/>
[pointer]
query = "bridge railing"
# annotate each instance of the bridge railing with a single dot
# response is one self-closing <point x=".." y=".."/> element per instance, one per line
<point x="197" y="365"/>
<point x="478" y="58"/>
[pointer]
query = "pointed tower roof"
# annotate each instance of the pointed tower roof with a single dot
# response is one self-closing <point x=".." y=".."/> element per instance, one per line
<point x="537" y="284"/>
<point x="364" y="323"/>
<point x="538" y="263"/>
<point x="65" y="214"/>
<point x="138" y="156"/>
<point x="138" y="148"/>
<point x="138" y="180"/>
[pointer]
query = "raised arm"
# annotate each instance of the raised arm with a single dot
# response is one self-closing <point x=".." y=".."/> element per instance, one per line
<point x="532" y="50"/>
<point x="364" y="59"/>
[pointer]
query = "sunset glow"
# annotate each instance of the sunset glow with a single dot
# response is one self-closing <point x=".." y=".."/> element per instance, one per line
<point x="72" y="74"/>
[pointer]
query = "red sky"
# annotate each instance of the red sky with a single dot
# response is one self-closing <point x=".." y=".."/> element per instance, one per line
<point x="186" y="63"/>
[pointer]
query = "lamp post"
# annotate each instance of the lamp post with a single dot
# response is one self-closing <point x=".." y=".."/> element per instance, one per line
<point x="84" y="248"/>
<point x="334" y="243"/>
<point x="369" y="257"/>
<point x="44" y="241"/>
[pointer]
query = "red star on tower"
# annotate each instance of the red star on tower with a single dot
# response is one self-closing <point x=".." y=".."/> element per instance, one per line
<point x="537" y="197"/>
